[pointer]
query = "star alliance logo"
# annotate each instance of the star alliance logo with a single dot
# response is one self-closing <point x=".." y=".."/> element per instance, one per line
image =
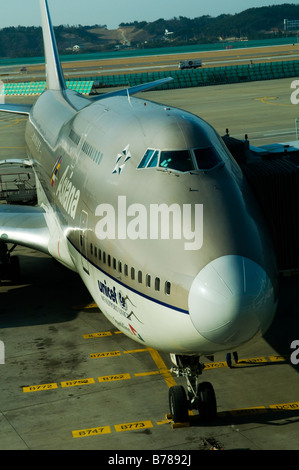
<point x="121" y="160"/>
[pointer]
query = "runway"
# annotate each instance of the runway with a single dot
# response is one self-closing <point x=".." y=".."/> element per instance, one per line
<point x="72" y="381"/>
<point x="145" y="63"/>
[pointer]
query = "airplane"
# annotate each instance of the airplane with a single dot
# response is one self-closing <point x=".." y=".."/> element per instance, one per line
<point x="148" y="206"/>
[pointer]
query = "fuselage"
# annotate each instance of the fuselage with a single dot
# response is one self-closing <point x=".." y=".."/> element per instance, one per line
<point x="154" y="214"/>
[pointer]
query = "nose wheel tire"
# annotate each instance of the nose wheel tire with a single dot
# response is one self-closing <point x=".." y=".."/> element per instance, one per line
<point x="201" y="395"/>
<point x="178" y="404"/>
<point x="207" y="407"/>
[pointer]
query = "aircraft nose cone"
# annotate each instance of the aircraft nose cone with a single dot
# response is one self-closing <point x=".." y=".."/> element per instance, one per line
<point x="231" y="300"/>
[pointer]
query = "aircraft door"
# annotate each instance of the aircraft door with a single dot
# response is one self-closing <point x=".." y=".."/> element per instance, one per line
<point x="84" y="240"/>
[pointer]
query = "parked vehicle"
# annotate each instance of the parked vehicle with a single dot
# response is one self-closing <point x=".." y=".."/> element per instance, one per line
<point x="190" y="64"/>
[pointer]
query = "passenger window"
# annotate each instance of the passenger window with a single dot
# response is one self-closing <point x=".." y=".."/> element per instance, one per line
<point x="157" y="283"/>
<point x="126" y="270"/>
<point x="140" y="277"/>
<point x="167" y="287"/>
<point x="207" y="158"/>
<point x="180" y="160"/>
<point x="148" y="280"/>
<point x="133" y="274"/>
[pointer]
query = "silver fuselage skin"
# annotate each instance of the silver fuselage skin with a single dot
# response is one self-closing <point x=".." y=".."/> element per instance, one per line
<point x="184" y="301"/>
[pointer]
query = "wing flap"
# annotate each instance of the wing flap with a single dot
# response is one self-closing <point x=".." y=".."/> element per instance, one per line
<point x="24" y="225"/>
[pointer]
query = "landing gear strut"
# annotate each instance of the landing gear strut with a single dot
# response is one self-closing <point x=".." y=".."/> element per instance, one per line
<point x="9" y="265"/>
<point x="200" y="396"/>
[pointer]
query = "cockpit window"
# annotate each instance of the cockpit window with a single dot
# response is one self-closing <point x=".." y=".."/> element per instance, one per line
<point x="180" y="160"/>
<point x="154" y="159"/>
<point x="150" y="159"/>
<point x="206" y="158"/>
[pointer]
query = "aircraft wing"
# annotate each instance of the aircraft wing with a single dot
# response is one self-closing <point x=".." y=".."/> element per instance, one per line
<point x="134" y="89"/>
<point x="16" y="108"/>
<point x="24" y="225"/>
<point x="18" y="161"/>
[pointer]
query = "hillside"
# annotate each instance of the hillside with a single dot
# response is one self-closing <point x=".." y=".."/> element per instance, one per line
<point x="253" y="23"/>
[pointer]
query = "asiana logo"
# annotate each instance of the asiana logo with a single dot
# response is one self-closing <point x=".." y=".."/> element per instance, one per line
<point x="68" y="195"/>
<point x="55" y="170"/>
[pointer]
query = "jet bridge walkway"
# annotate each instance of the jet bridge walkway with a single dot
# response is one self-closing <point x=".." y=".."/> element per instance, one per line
<point x="273" y="173"/>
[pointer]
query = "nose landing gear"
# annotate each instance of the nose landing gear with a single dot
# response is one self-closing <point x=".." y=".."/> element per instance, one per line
<point x="200" y="395"/>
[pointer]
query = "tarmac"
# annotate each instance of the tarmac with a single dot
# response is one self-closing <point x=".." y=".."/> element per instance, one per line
<point x="151" y="63"/>
<point x="71" y="381"/>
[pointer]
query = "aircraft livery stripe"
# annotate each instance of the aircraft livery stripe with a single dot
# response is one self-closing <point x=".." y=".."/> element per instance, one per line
<point x="164" y="304"/>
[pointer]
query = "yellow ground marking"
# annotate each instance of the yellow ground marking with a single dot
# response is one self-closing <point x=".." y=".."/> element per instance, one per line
<point x="13" y="123"/>
<point x="100" y="334"/>
<point x="214" y="365"/>
<point x="38" y="388"/>
<point x="133" y="426"/>
<point x="242" y="362"/>
<point x="19" y="148"/>
<point x="163" y="421"/>
<point x="84" y="307"/>
<point x="148" y="424"/>
<point x="144" y="374"/>
<point x="253" y="360"/>
<point x="270" y="100"/>
<point x="112" y="378"/>
<point x="278" y="358"/>
<point x="90" y="306"/>
<point x="285" y="406"/>
<point x="105" y="354"/>
<point x="74" y="383"/>
<point x="163" y="369"/>
<point x="92" y="431"/>
<point x="97" y="335"/>
<point x="132" y="351"/>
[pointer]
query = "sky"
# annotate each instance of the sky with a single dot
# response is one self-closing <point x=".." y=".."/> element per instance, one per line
<point x="114" y="12"/>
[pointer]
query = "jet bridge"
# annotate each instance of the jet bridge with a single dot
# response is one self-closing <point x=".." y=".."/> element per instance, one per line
<point x="273" y="173"/>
